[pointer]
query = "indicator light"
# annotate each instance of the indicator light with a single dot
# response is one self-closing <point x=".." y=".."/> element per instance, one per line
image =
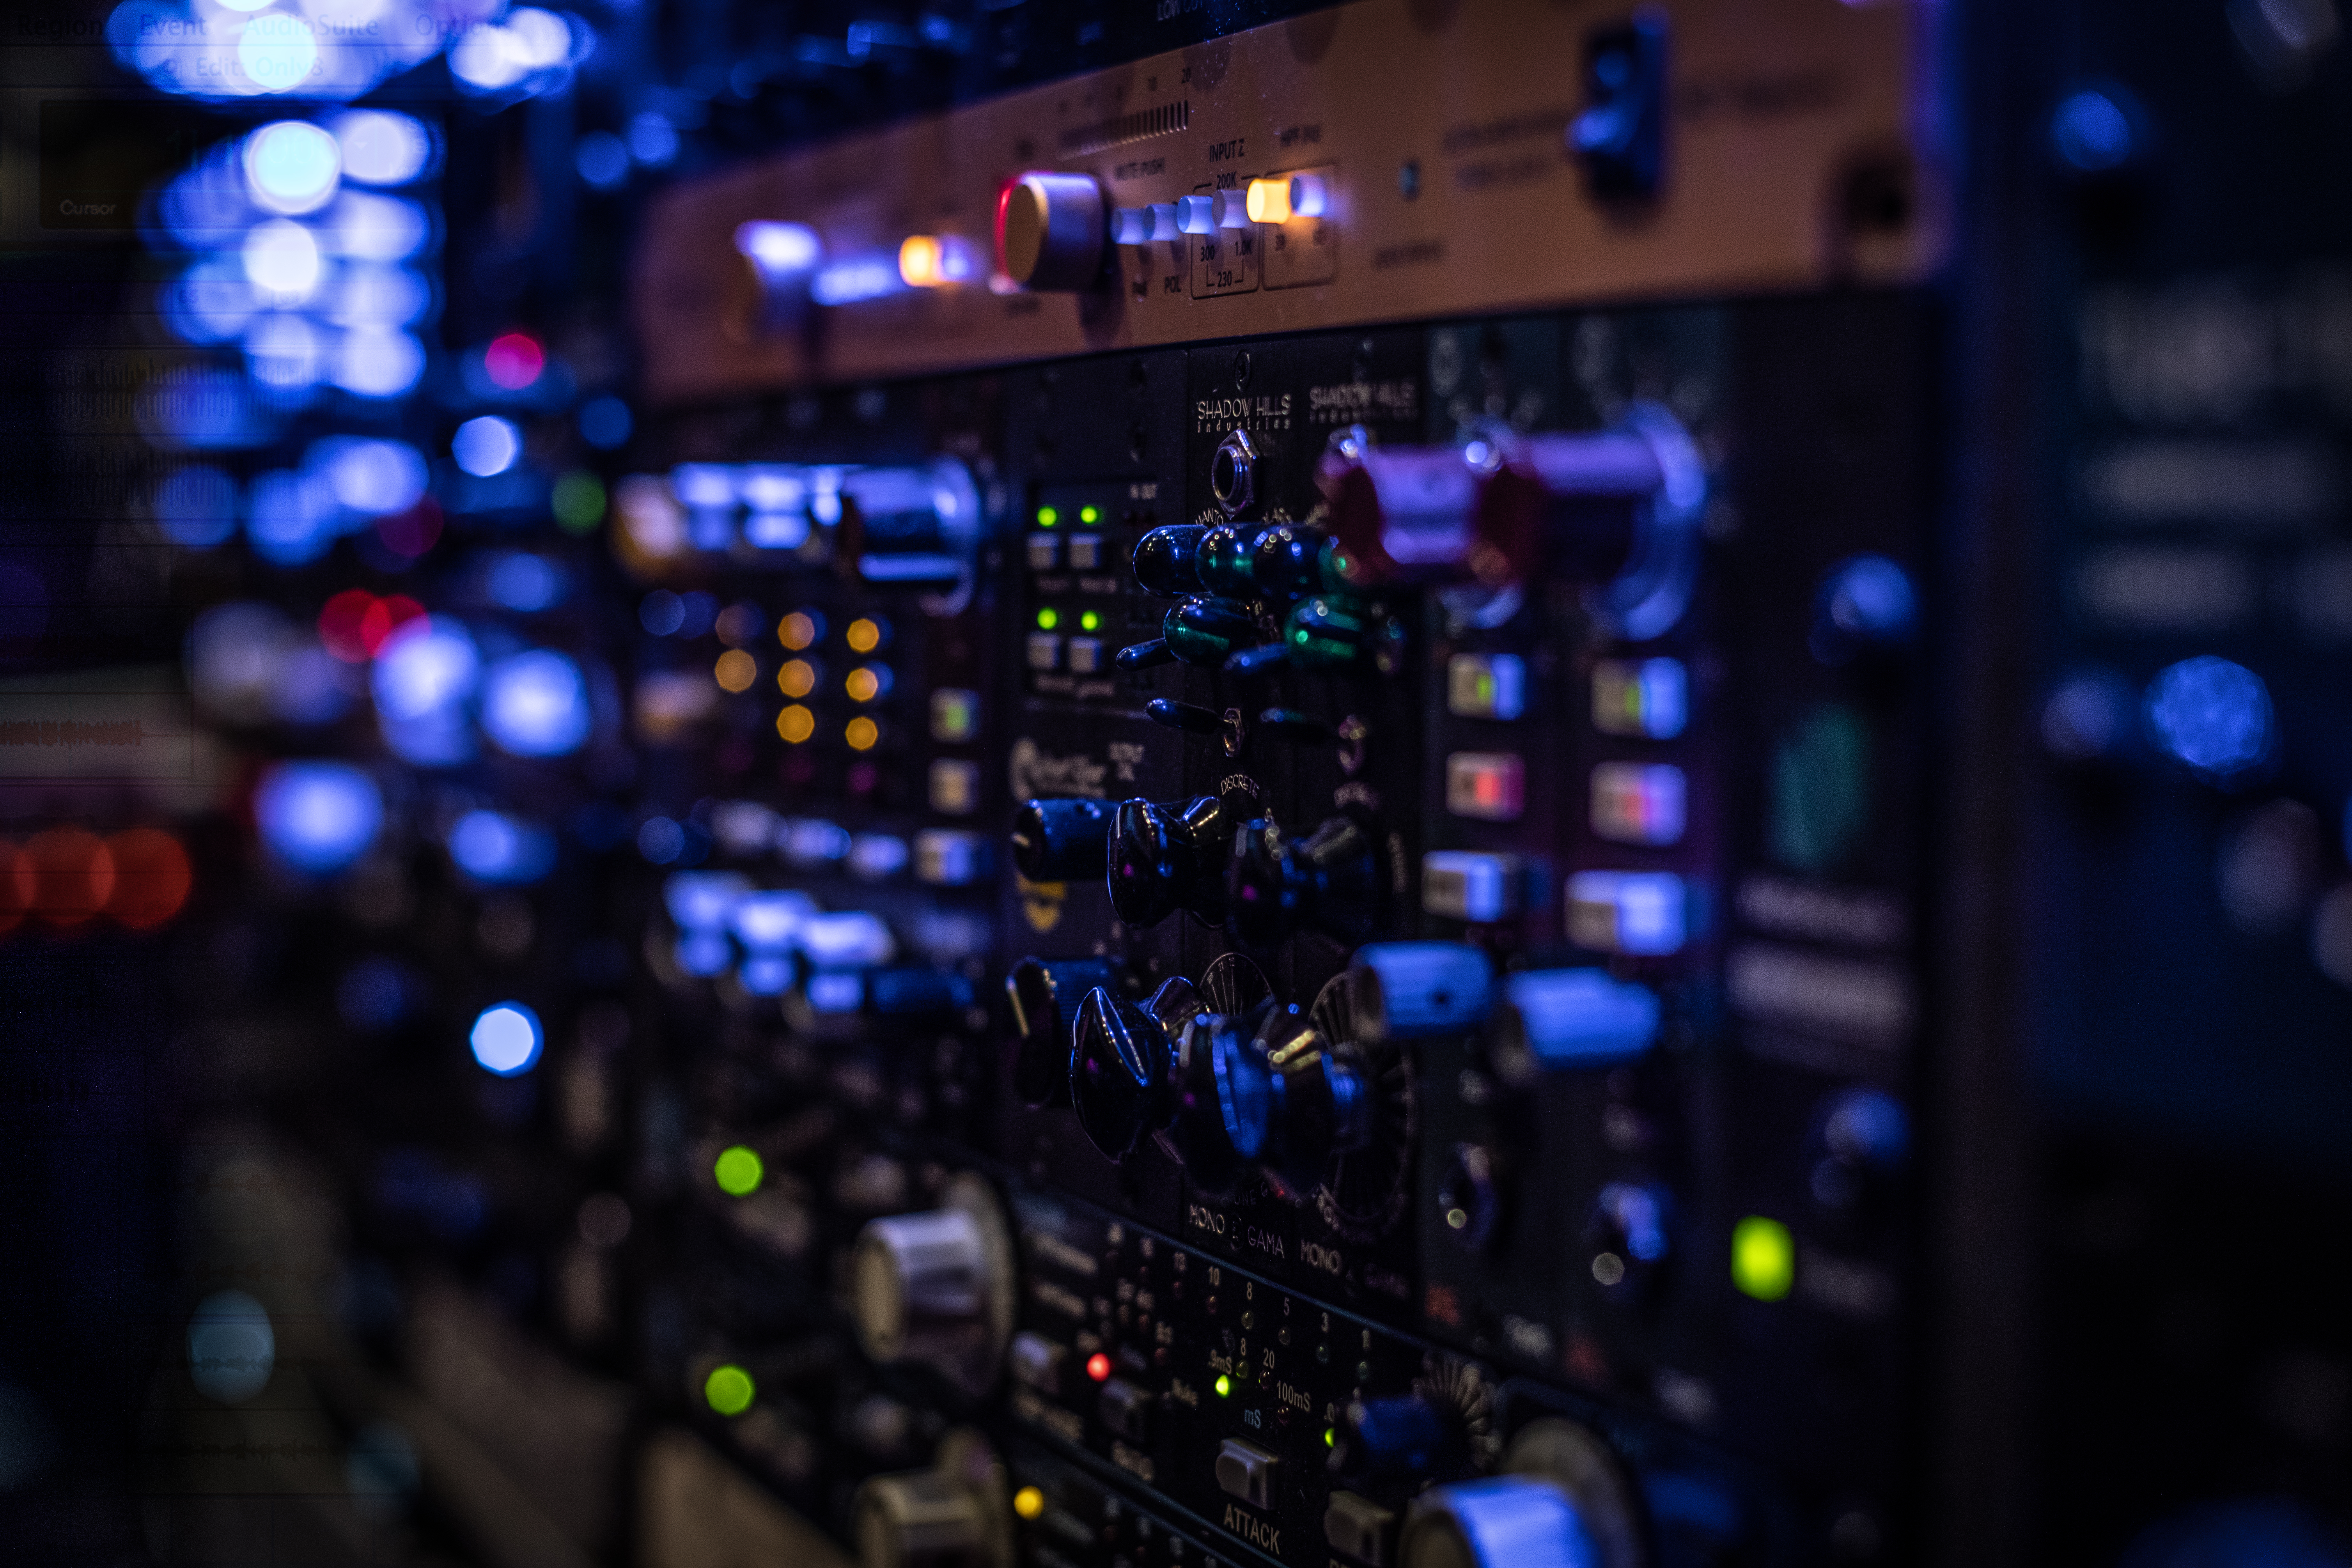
<point x="1269" y="201"/>
<point x="1485" y="686"/>
<point x="1099" y="1367"/>
<point x="514" y="361"/>
<point x="1225" y="1387"/>
<point x="1632" y="804"/>
<point x="795" y="724"/>
<point x="864" y="636"/>
<point x="862" y="735"/>
<point x="1048" y="619"/>
<point x="799" y="630"/>
<point x="1089" y="515"/>
<point x="505" y="1038"/>
<point x="736" y="670"/>
<point x="729" y="1390"/>
<point x="1029" y="1503"/>
<point x="1330" y="1438"/>
<point x="1490" y="786"/>
<point x="739" y="1172"/>
<point x="1626" y="911"/>
<point x="1090" y="621"/>
<point x="918" y="262"/>
<point x="955" y="714"/>
<point x="866" y="682"/>
<point x="797" y="678"/>
<point x="1651" y="699"/>
<point x="1763" y="1258"/>
<point x="1048" y="517"/>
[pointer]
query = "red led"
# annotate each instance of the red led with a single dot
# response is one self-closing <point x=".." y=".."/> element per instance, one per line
<point x="1099" y="1367"/>
<point x="386" y="616"/>
<point x="341" y="624"/>
<point x="514" y="361"/>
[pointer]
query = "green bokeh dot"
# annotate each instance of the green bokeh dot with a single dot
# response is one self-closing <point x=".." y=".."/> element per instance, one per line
<point x="739" y="1172"/>
<point x="578" y="501"/>
<point x="728" y="1389"/>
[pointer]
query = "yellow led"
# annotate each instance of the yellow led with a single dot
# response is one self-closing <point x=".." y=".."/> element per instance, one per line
<point x="1269" y="201"/>
<point x="1763" y="1258"/>
<point x="918" y="262"/>
<point x="1029" y="1503"/>
<point x="795" y="724"/>
<point x="1089" y="516"/>
<point x="736" y="670"/>
<point x="1088" y="621"/>
<point x="862" y="636"/>
<point x="861" y="733"/>
<point x="866" y="682"/>
<point x="797" y="678"/>
<point x="797" y="630"/>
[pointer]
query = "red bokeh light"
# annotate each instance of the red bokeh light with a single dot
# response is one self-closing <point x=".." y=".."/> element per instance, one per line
<point x="151" y="877"/>
<point x="514" y="361"/>
<point x="73" y="875"/>
<point x="16" y="885"/>
<point x="339" y="622"/>
<point x="1099" y="1367"/>
<point x="384" y="617"/>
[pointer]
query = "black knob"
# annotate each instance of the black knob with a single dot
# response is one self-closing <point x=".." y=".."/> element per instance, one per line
<point x="1207" y="631"/>
<point x="1167" y="560"/>
<point x="1061" y="840"/>
<point x="1145" y="655"/>
<point x="1045" y="998"/>
<point x="1225" y="560"/>
<point x="1329" y="881"/>
<point x="1168" y="857"/>
<point x="1289" y="1106"/>
<point x="1185" y="716"/>
<point x="1120" y="1065"/>
<point x="1286" y="559"/>
<point x="1384" y="1443"/>
<point x="1200" y="1131"/>
<point x="1264" y="657"/>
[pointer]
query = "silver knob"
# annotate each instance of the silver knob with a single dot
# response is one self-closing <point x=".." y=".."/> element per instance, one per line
<point x="1051" y="230"/>
<point x="953" y="1515"/>
<point x="937" y="1288"/>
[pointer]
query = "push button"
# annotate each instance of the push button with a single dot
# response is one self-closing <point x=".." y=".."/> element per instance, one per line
<point x="1126" y="1410"/>
<point x="1037" y="1361"/>
<point x="1085" y="655"/>
<point x="1359" y="1528"/>
<point x="1044" y="552"/>
<point x="1486" y="686"/>
<point x="1044" y="651"/>
<point x="1085" y="551"/>
<point x="1490" y="786"/>
<point x="1246" y="1472"/>
<point x="1462" y="886"/>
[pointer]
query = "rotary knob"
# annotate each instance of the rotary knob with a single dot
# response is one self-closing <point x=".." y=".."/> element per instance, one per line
<point x="1284" y="1104"/>
<point x="1402" y="513"/>
<point x="1051" y="231"/>
<point x="1168" y="857"/>
<point x="1121" y="1064"/>
<point x="1329" y="881"/>
<point x="1413" y="990"/>
<point x="1046" y="997"/>
<point x="1167" y="560"/>
<point x="1205" y="630"/>
<point x="1061" y="840"/>
<point x="936" y="1287"/>
<point x="952" y="1515"/>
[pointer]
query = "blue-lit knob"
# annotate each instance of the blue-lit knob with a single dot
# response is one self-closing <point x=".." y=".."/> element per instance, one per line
<point x="1867" y="606"/>
<point x="1576" y="1018"/>
<point x="1410" y="990"/>
<point x="1405" y="1440"/>
<point x="1509" y="1521"/>
<point x="1065" y="840"/>
<point x="1167" y="560"/>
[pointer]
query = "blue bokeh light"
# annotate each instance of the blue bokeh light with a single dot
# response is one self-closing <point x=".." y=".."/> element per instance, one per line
<point x="492" y="846"/>
<point x="486" y="444"/>
<point x="196" y="507"/>
<point x="525" y="583"/>
<point x="602" y="159"/>
<point x="2092" y="133"/>
<point x="2213" y="715"/>
<point x="381" y="147"/>
<point x="535" y="705"/>
<point x="318" y="816"/>
<point x="506" y="1038"/>
<point x="605" y="422"/>
<point x="293" y="166"/>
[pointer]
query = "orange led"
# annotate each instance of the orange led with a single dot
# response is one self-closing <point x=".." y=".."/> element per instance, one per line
<point x="918" y="262"/>
<point x="864" y="636"/>
<point x="862" y="735"/>
<point x="797" y="678"/>
<point x="736" y="670"/>
<point x="795" y="724"/>
<point x="798" y="630"/>
<point x="1269" y="201"/>
<point x="866" y="682"/>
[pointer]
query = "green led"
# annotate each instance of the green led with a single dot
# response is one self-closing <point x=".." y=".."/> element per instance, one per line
<point x="1330" y="1438"/>
<point x="1048" y="619"/>
<point x="1048" y="517"/>
<point x="728" y="1389"/>
<point x="1089" y="516"/>
<point x="1763" y="1258"/>
<point x="577" y="502"/>
<point x="1225" y="1387"/>
<point x="1088" y="621"/>
<point x="739" y="1172"/>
